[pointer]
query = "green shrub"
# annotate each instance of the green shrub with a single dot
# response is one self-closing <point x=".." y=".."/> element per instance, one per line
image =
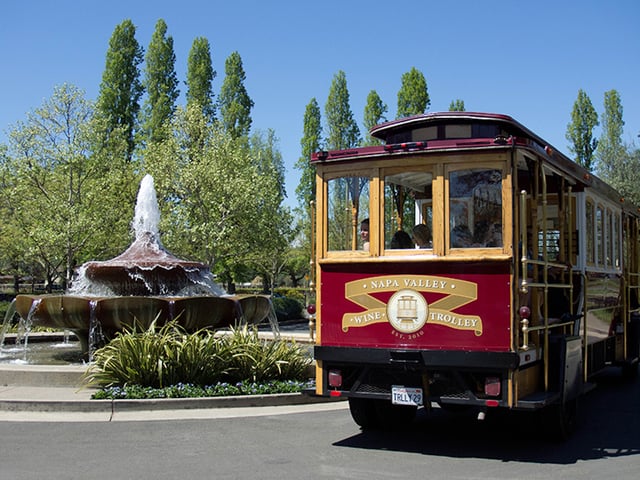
<point x="159" y="358"/>
<point x="4" y="306"/>
<point x="221" y="389"/>
<point x="298" y="294"/>
<point x="287" y="308"/>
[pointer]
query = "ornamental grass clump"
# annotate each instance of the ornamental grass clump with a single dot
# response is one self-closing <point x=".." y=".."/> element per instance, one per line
<point x="178" y="363"/>
<point x="253" y="359"/>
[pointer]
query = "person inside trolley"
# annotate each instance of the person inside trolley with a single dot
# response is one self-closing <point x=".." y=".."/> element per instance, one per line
<point x="422" y="236"/>
<point x="364" y="234"/>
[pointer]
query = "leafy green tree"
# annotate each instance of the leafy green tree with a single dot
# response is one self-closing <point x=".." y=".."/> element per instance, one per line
<point x="342" y="129"/>
<point x="297" y="265"/>
<point x="623" y="174"/>
<point x="611" y="151"/>
<point x="580" y="131"/>
<point x="121" y="89"/>
<point x="161" y="84"/>
<point x="220" y="203"/>
<point x="234" y="102"/>
<point x="13" y="242"/>
<point x="413" y="96"/>
<point x="66" y="203"/>
<point x="264" y="149"/>
<point x="273" y="224"/>
<point x="374" y="113"/>
<point x="200" y="76"/>
<point x="456" y="105"/>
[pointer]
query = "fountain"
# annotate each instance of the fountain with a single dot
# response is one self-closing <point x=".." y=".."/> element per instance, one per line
<point x="144" y="284"/>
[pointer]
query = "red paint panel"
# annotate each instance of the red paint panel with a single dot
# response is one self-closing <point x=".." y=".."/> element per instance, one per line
<point x="451" y="306"/>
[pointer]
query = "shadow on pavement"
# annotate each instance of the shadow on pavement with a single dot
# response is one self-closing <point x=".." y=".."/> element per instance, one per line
<point x="610" y="428"/>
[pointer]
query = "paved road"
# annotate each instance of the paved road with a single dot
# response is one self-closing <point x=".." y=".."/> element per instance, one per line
<point x="321" y="442"/>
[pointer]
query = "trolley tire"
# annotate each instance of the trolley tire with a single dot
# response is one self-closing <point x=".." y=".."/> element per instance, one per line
<point x="364" y="412"/>
<point x="629" y="371"/>
<point x="562" y="419"/>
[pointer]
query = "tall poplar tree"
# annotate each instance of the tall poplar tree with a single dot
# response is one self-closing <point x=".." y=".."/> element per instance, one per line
<point x="457" y="105"/>
<point x="413" y="96"/>
<point x="374" y="113"/>
<point x="342" y="129"/>
<point x="580" y="131"/>
<point x="200" y="76"/>
<point x="343" y="132"/>
<point x="233" y="100"/>
<point x="120" y="90"/>
<point x="610" y="151"/>
<point x="161" y="84"/>
<point x="306" y="189"/>
<point x="310" y="143"/>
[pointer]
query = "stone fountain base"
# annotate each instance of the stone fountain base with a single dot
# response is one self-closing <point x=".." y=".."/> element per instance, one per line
<point x="83" y="314"/>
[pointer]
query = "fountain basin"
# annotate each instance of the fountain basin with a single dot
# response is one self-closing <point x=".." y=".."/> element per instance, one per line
<point x="113" y="314"/>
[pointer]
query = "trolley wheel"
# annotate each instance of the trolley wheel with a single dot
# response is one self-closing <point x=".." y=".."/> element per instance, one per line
<point x="629" y="371"/>
<point x="372" y="414"/>
<point x="561" y="420"/>
<point x="364" y="413"/>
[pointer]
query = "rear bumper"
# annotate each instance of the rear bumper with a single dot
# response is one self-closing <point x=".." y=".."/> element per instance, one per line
<point x="446" y="377"/>
<point x="423" y="359"/>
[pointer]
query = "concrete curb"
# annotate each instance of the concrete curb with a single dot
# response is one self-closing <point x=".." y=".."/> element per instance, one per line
<point x="164" y="404"/>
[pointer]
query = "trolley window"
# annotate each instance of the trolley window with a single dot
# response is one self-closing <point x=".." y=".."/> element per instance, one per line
<point x="615" y="244"/>
<point x="475" y="208"/>
<point x="348" y="213"/>
<point x="408" y="209"/>
<point x="590" y="234"/>
<point x="600" y="235"/>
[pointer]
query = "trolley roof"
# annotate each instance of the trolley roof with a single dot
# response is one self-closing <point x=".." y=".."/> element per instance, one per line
<point x="465" y="131"/>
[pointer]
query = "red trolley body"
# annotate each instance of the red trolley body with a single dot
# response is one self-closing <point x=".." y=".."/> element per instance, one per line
<point x="466" y="263"/>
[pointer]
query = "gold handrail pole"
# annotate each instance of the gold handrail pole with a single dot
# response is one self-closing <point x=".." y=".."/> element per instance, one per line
<point x="585" y="357"/>
<point x="545" y="278"/>
<point x="524" y="264"/>
<point x="569" y="236"/>
<point x="312" y="267"/>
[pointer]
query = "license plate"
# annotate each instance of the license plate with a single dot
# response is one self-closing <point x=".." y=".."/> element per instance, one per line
<point x="406" y="395"/>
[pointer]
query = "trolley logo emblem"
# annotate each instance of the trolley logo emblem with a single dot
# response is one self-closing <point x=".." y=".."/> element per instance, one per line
<point x="407" y="310"/>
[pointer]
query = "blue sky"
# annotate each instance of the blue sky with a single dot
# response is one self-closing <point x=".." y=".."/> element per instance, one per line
<point x="524" y="59"/>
